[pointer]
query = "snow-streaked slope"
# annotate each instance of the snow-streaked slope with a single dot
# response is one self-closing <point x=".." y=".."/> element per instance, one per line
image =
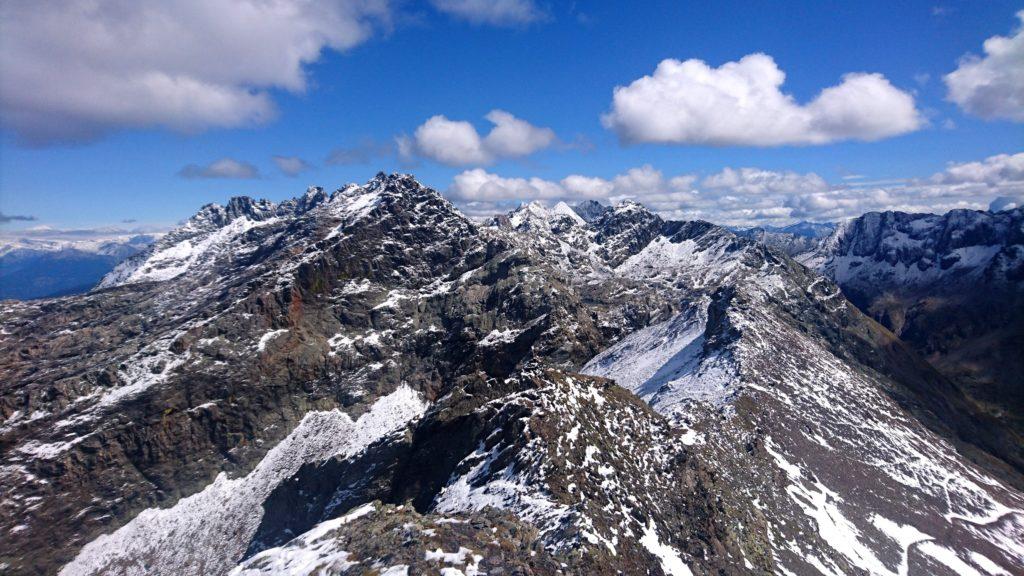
<point x="666" y="365"/>
<point x="607" y="484"/>
<point x="861" y="486"/>
<point x="405" y="542"/>
<point x="590" y="468"/>
<point x="310" y="551"/>
<point x="209" y="531"/>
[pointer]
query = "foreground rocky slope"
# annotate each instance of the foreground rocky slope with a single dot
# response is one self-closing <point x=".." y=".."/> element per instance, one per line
<point x="236" y="399"/>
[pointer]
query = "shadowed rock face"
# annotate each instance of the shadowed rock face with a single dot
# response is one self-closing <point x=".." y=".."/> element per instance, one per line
<point x="268" y="368"/>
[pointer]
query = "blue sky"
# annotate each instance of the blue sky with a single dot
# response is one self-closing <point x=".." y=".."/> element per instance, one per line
<point x="554" y="66"/>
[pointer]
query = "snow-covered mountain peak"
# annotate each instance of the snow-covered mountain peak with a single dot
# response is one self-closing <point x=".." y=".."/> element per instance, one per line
<point x="629" y="205"/>
<point x="563" y="209"/>
<point x="536" y="216"/>
<point x="239" y="230"/>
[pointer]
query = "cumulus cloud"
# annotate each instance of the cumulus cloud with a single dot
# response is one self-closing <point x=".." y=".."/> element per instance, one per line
<point x="741" y="103"/>
<point x="493" y="12"/>
<point x="291" y="165"/>
<point x="457" y="143"/>
<point x="578" y="186"/>
<point x="479" y="185"/>
<point x="8" y="218"/>
<point x="75" y="69"/>
<point x="452" y="142"/>
<point x="223" y="168"/>
<point x="992" y="86"/>
<point x="753" y="196"/>
<point x="993" y="171"/>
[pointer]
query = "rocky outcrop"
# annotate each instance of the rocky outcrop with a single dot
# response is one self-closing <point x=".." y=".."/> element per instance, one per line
<point x="599" y="476"/>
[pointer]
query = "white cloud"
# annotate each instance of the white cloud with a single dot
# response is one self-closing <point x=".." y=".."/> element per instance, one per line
<point x="992" y="171"/>
<point x="457" y="143"/>
<point x="493" y="12"/>
<point x="578" y="186"/>
<point x="452" y="142"/>
<point x="740" y="103"/>
<point x="480" y="185"/>
<point x="291" y="165"/>
<point x="75" y="69"/>
<point x="753" y="196"/>
<point x="223" y="168"/>
<point x="512" y="137"/>
<point x="757" y="181"/>
<point x="992" y="87"/>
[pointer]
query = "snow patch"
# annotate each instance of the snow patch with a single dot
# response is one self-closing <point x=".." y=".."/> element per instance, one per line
<point x="313" y="550"/>
<point x="671" y="563"/>
<point x="267" y="337"/>
<point x="209" y="531"/>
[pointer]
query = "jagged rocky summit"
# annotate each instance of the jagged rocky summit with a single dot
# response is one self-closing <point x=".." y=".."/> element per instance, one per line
<point x="366" y="381"/>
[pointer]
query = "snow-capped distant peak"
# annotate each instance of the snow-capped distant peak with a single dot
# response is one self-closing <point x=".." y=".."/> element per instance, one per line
<point x="563" y="209"/>
<point x="629" y="205"/>
<point x="897" y="249"/>
<point x="535" y="214"/>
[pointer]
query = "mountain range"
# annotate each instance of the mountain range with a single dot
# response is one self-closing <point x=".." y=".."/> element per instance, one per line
<point x="367" y="381"/>
<point x="952" y="287"/>
<point x="32" y="267"/>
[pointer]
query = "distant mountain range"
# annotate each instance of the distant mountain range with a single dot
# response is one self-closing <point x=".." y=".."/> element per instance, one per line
<point x="43" y="268"/>
<point x="950" y="285"/>
<point x="366" y="380"/>
<point x="794" y="239"/>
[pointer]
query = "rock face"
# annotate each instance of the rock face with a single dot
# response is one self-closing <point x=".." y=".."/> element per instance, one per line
<point x="951" y="286"/>
<point x="367" y="380"/>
